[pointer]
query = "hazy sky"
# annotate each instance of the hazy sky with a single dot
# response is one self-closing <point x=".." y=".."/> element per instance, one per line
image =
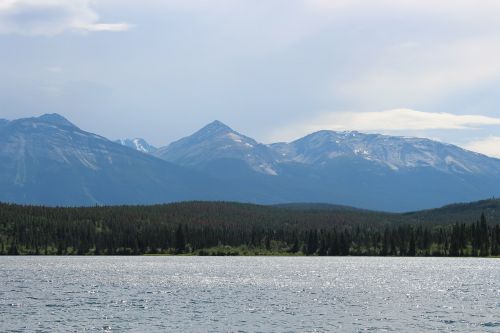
<point x="272" y="69"/>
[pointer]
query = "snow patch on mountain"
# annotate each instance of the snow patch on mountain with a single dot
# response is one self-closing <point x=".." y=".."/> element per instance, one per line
<point x="217" y="141"/>
<point x="396" y="153"/>
<point x="235" y="137"/>
<point x="138" y="144"/>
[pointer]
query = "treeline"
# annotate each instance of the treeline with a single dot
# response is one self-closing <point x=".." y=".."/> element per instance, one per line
<point x="232" y="229"/>
<point x="477" y="239"/>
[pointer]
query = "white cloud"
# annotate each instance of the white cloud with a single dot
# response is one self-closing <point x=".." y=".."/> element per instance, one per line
<point x="413" y="52"/>
<point x="384" y="121"/>
<point x="489" y="146"/>
<point x="466" y="9"/>
<point x="54" y="69"/>
<point x="51" y="17"/>
<point x="423" y="72"/>
<point x="105" y="27"/>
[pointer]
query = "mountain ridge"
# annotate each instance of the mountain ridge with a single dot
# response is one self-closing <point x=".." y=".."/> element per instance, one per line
<point x="217" y="140"/>
<point x="49" y="160"/>
<point x="370" y="171"/>
<point x="347" y="168"/>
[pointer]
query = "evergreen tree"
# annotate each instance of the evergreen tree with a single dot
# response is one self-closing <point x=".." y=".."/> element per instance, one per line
<point x="191" y="227"/>
<point x="312" y="242"/>
<point x="483" y="237"/>
<point x="412" y="247"/>
<point x="323" y="248"/>
<point x="180" y="241"/>
<point x="385" y="243"/>
<point x="13" y="250"/>
<point x="295" y="246"/>
<point x="455" y="241"/>
<point x="495" y="241"/>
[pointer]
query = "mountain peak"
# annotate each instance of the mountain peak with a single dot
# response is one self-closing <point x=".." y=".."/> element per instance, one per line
<point x="55" y="119"/>
<point x="138" y="144"/>
<point x="217" y="125"/>
<point x="218" y="142"/>
<point x="213" y="130"/>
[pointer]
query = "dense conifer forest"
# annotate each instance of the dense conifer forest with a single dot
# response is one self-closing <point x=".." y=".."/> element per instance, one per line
<point x="218" y="228"/>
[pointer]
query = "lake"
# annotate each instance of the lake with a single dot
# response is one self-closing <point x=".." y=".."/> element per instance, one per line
<point x="249" y="294"/>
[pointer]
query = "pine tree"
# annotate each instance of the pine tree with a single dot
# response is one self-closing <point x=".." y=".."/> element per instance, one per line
<point x="333" y="248"/>
<point x="312" y="242"/>
<point x="484" y="237"/>
<point x="322" y="251"/>
<point x="412" y="247"/>
<point x="13" y="250"/>
<point x="180" y="241"/>
<point x="344" y="243"/>
<point x="295" y="246"/>
<point x="385" y="243"/>
<point x="455" y="241"/>
<point x="495" y="241"/>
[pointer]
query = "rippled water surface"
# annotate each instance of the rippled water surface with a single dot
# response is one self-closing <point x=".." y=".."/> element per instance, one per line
<point x="249" y="294"/>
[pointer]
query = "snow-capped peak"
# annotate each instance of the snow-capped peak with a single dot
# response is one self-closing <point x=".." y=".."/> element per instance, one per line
<point x="218" y="141"/>
<point x="394" y="152"/>
<point x="138" y="144"/>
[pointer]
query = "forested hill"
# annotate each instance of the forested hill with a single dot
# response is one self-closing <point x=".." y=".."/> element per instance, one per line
<point x="199" y="213"/>
<point x="235" y="228"/>
<point x="460" y="212"/>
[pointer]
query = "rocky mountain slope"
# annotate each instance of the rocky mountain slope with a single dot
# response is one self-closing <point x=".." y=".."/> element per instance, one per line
<point x="351" y="168"/>
<point x="48" y="160"/>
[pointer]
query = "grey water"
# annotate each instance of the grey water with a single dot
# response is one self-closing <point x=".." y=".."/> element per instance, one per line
<point x="248" y="294"/>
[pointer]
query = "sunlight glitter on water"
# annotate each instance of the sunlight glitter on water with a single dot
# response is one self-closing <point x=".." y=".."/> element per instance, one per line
<point x="249" y="294"/>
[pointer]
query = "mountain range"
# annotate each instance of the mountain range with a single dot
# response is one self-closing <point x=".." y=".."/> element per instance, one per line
<point x="48" y="160"/>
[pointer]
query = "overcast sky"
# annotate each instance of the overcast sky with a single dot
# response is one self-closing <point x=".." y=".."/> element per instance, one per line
<point x="272" y="69"/>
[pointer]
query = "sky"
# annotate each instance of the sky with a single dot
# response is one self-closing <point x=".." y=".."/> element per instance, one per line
<point x="274" y="70"/>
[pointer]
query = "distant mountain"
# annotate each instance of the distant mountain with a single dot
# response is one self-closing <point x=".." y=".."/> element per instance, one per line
<point x="304" y="206"/>
<point x="48" y="160"/>
<point x="396" y="153"/>
<point x="217" y="141"/>
<point x="234" y="158"/>
<point x="138" y="144"/>
<point x="348" y="168"/>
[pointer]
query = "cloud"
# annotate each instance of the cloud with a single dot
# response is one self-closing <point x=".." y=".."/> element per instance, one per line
<point x="489" y="146"/>
<point x="54" y="69"/>
<point x="460" y="9"/>
<point x="385" y="121"/>
<point x="413" y="72"/>
<point x="105" y="27"/>
<point x="411" y="52"/>
<point x="51" y="17"/>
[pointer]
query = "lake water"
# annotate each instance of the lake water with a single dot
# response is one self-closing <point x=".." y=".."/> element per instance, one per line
<point x="248" y="294"/>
